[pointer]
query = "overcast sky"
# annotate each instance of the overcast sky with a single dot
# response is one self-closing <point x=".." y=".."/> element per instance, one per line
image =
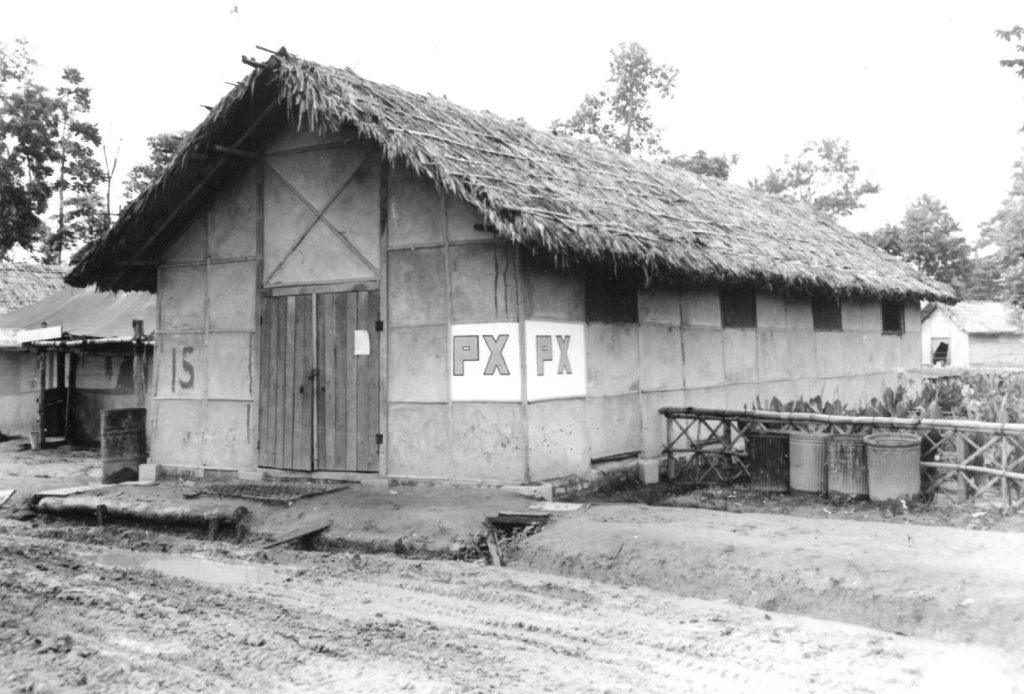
<point x="914" y="86"/>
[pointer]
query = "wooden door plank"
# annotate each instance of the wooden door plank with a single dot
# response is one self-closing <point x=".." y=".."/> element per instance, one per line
<point x="290" y="389"/>
<point x="373" y="384"/>
<point x="319" y="303"/>
<point x="264" y="389"/>
<point x="329" y="359"/>
<point x="342" y="404"/>
<point x="352" y="382"/>
<point x="280" y="368"/>
<point x="303" y="454"/>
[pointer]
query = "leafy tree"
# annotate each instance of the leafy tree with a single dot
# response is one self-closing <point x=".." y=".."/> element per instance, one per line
<point x="1003" y="238"/>
<point x="929" y="239"/>
<point x="85" y="220"/>
<point x="704" y="164"/>
<point x="78" y="171"/>
<point x="1011" y="35"/>
<point x="620" y="114"/>
<point x="162" y="148"/>
<point x="823" y="175"/>
<point x="28" y="127"/>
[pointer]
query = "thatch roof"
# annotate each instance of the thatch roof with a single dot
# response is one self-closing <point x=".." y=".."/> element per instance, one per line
<point x="22" y="284"/>
<point x="981" y="317"/>
<point x="573" y="200"/>
<point x="87" y="313"/>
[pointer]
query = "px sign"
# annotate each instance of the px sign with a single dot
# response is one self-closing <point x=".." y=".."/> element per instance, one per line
<point x="486" y="364"/>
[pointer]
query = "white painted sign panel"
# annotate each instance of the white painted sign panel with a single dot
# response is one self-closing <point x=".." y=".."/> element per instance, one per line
<point x="9" y="337"/>
<point x="556" y="366"/>
<point x="484" y="362"/>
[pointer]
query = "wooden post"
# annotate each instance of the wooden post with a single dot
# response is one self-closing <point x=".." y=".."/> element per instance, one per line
<point x="139" y="364"/>
<point x="69" y="392"/>
<point x="961" y="476"/>
<point x="41" y="374"/>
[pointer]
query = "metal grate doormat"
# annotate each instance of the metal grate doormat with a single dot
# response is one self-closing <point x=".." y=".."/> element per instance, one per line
<point x="272" y="493"/>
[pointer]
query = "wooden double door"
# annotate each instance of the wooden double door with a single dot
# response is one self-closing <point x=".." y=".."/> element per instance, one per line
<point x="319" y="406"/>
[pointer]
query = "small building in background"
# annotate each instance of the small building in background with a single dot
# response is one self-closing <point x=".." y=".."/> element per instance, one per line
<point x="66" y="358"/>
<point x="972" y="334"/>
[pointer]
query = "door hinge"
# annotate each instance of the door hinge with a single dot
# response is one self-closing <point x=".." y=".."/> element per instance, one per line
<point x="380" y="326"/>
<point x="380" y="439"/>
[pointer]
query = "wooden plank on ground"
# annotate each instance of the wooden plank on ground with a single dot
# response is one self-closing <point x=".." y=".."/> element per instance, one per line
<point x="68" y="491"/>
<point x="305" y="531"/>
<point x="5" y="494"/>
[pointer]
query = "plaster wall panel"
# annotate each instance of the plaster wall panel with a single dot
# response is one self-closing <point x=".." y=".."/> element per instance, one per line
<point x="229" y="359"/>
<point x="714" y="397"/>
<point x="557" y="439"/>
<point x="290" y="138"/>
<point x="745" y="394"/>
<point x="873" y="352"/>
<point x="321" y="256"/>
<point x="959" y="349"/>
<point x="739" y="353"/>
<point x="415" y="209"/>
<point x="773" y="354"/>
<point x="612" y="358"/>
<point x="318" y="175"/>
<point x="418" y="444"/>
<point x="491" y="442"/>
<point x="175" y="439"/>
<point x="484" y="283"/>
<point x="701" y="308"/>
<point x="18" y="414"/>
<point x="771" y="310"/>
<point x="190" y="247"/>
<point x="798" y="313"/>
<point x="227" y="443"/>
<point x="912" y="317"/>
<point x="661" y="357"/>
<point x="11" y="366"/>
<point x="828" y="347"/>
<point x="802" y="356"/>
<point x="181" y="296"/>
<point x="235" y="220"/>
<point x="418" y="364"/>
<point x="180" y="366"/>
<point x="355" y="211"/>
<point x="285" y="219"/>
<point x="703" y="364"/>
<point x="233" y="296"/>
<point x="652" y="435"/>
<point x="417" y="292"/>
<point x="911" y="355"/>
<point x="463" y="220"/>
<point x="614" y="424"/>
<point x="659" y="306"/>
<point x="549" y="293"/>
<point x="852" y="314"/>
<point x="871" y="315"/>
<point x="855" y="357"/>
<point x="892" y="353"/>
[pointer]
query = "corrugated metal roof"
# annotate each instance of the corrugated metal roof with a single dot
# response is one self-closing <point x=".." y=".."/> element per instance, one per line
<point x="87" y="313"/>
<point x="986" y="317"/>
<point x="24" y="283"/>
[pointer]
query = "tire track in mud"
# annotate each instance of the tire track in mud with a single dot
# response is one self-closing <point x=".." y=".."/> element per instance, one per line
<point x="355" y="623"/>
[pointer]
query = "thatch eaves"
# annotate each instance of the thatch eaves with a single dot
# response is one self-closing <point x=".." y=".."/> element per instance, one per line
<point x="576" y="201"/>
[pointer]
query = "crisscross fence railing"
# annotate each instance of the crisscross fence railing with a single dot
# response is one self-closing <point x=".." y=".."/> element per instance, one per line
<point x="964" y="460"/>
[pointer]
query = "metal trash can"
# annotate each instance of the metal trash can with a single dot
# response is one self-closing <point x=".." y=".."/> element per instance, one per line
<point x="894" y="465"/>
<point x="847" y="467"/>
<point x="807" y="454"/>
<point x="768" y="458"/>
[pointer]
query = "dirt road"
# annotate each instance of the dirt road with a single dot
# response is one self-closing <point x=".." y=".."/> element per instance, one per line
<point x="79" y="617"/>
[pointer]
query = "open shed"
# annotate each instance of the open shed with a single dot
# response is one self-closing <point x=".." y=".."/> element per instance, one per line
<point x="66" y="358"/>
<point x="354" y="279"/>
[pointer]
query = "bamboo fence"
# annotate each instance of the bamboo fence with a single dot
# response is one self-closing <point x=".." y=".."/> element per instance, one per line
<point x="965" y="460"/>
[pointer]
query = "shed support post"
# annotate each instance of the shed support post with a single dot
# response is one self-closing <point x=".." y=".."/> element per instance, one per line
<point x="139" y="364"/>
<point x="69" y="393"/>
<point x="41" y="414"/>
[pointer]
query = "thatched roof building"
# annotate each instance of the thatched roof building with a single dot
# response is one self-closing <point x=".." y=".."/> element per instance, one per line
<point x="577" y="201"/>
<point x="22" y="284"/>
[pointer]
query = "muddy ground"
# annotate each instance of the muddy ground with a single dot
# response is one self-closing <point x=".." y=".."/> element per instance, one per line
<point x="603" y="599"/>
